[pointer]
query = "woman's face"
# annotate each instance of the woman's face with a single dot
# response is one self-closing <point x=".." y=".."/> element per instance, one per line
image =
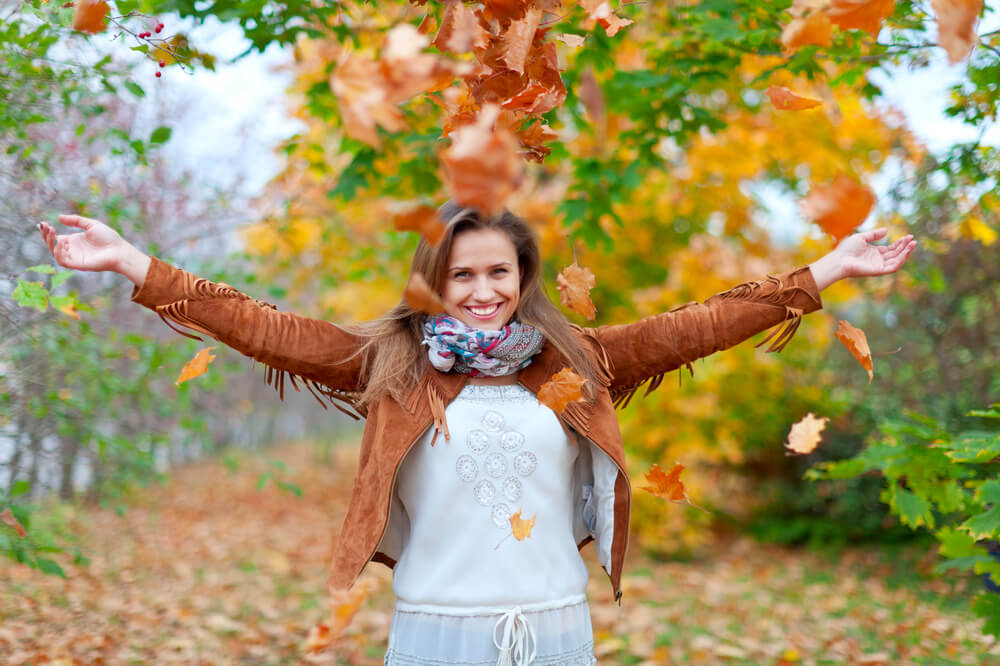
<point x="483" y="283"/>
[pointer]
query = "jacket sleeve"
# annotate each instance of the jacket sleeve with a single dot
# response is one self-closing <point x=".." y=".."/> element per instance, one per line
<point x="633" y="354"/>
<point x="318" y="353"/>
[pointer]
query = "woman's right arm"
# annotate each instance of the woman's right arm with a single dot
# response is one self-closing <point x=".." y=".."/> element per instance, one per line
<point x="311" y="349"/>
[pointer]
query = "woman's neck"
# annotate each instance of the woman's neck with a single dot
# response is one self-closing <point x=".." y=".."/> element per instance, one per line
<point x="503" y="380"/>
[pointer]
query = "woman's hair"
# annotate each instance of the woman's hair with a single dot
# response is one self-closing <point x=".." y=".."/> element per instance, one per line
<point x="395" y="359"/>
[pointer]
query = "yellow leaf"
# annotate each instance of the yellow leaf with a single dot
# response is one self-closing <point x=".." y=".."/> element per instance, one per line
<point x="521" y="528"/>
<point x="867" y="15"/>
<point x="70" y="311"/>
<point x="804" y="436"/>
<point x="856" y="342"/>
<point x="196" y="366"/>
<point x="974" y="227"/>
<point x="562" y="388"/>
<point x="814" y="29"/>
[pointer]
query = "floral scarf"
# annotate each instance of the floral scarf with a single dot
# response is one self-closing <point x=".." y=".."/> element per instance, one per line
<point x="453" y="345"/>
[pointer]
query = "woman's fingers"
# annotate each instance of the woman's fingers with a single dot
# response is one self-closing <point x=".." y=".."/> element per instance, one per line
<point x="875" y="234"/>
<point x="77" y="221"/>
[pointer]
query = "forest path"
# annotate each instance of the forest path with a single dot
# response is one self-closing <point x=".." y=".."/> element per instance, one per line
<point x="217" y="567"/>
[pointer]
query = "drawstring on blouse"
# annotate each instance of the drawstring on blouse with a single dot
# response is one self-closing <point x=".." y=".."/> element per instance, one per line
<point x="517" y="637"/>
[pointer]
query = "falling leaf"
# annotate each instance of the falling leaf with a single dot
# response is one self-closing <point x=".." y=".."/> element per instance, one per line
<point x="786" y="100"/>
<point x="600" y="11"/>
<point x="574" y="283"/>
<point x="358" y="84"/>
<point x="570" y="39"/>
<point x="421" y="297"/>
<point x="812" y="30"/>
<point x="562" y="388"/>
<point x="344" y="605"/>
<point x="838" y="208"/>
<point x="867" y="15"/>
<point x="459" y="29"/>
<point x="518" y="38"/>
<point x="9" y="518"/>
<point x="196" y="366"/>
<point x="668" y="486"/>
<point x="90" y="15"/>
<point x="482" y="167"/>
<point x="422" y="219"/>
<point x="319" y="639"/>
<point x="805" y="436"/>
<point x="70" y="311"/>
<point x="592" y="97"/>
<point x="956" y="21"/>
<point x="856" y="342"/>
<point x="521" y="528"/>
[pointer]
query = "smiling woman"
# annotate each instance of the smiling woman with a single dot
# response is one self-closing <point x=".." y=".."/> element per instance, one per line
<point x="439" y="510"/>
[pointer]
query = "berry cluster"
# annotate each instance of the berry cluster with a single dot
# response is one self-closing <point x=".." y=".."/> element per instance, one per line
<point x="157" y="30"/>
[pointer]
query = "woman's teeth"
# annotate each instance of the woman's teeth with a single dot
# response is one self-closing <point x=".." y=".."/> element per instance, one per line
<point x="483" y="311"/>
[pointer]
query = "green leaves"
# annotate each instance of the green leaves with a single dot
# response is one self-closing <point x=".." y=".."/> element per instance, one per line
<point x="31" y="295"/>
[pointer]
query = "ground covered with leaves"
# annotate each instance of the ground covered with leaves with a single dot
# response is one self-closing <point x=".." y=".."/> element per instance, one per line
<point x="226" y="564"/>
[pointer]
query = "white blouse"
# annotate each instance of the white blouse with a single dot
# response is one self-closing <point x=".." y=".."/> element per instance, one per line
<point x="467" y="590"/>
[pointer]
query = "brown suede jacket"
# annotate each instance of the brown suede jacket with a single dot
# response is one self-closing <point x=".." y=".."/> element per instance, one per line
<point x="628" y="356"/>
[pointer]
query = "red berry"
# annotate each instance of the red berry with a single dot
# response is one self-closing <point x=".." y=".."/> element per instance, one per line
<point x="162" y="64"/>
<point x="159" y="74"/>
<point x="159" y="27"/>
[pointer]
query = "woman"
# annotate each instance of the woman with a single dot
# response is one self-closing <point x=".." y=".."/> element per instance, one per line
<point x="456" y="443"/>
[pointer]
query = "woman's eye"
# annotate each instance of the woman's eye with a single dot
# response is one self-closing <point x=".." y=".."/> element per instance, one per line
<point x="500" y="271"/>
<point x="460" y="274"/>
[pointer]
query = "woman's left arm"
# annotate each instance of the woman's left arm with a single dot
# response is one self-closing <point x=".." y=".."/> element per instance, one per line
<point x="646" y="349"/>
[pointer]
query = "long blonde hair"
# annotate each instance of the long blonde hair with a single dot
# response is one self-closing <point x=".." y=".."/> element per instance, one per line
<point x="395" y="360"/>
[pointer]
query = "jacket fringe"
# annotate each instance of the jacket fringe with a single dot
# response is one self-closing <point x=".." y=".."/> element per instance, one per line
<point x="437" y="406"/>
<point x="771" y="290"/>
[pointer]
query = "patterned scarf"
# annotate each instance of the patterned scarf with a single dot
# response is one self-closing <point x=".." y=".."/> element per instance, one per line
<point x="453" y="345"/>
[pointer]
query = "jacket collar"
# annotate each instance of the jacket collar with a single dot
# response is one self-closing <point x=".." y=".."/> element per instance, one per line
<point x="544" y="364"/>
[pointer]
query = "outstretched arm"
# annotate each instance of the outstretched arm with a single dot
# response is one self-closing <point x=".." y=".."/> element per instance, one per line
<point x="855" y="256"/>
<point x="319" y="353"/>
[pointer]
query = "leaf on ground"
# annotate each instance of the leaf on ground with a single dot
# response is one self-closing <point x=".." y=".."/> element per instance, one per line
<point x="956" y="21"/>
<point x="857" y="343"/>
<point x="196" y="366"/>
<point x="562" y="388"/>
<point x="90" y="15"/>
<point x="867" y="15"/>
<point x="482" y="167"/>
<point x="806" y="435"/>
<point x="839" y="207"/>
<point x="422" y="219"/>
<point x="600" y="11"/>
<point x="786" y="100"/>
<point x="420" y="296"/>
<point x="521" y="528"/>
<point x="813" y="29"/>
<point x="574" y="283"/>
<point x="9" y="518"/>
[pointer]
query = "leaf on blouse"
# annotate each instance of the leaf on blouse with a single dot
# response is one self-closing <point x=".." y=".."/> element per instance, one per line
<point x="805" y="435"/>
<point x="90" y="15"/>
<point x="420" y="296"/>
<point x="196" y="366"/>
<point x="11" y="520"/>
<point x="838" y="207"/>
<point x="574" y="283"/>
<point x="562" y="388"/>
<point x="857" y="343"/>
<point x="786" y="100"/>
<point x="422" y="219"/>
<point x="521" y="528"/>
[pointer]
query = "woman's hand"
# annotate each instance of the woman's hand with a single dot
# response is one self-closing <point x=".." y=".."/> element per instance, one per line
<point x="98" y="248"/>
<point x="855" y="256"/>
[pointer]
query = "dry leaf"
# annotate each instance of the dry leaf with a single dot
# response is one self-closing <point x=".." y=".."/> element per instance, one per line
<point x="857" y="343"/>
<point x="343" y="605"/>
<point x="459" y="29"/>
<point x="814" y="29"/>
<point x="838" y="208"/>
<point x="482" y="167"/>
<point x="668" y="486"/>
<point x="422" y="219"/>
<point x="70" y="311"/>
<point x="360" y="88"/>
<point x="570" y="39"/>
<point x="574" y="283"/>
<point x="786" y="100"/>
<point x="867" y="15"/>
<point x="420" y="296"/>
<point x="196" y="366"/>
<point x="90" y="15"/>
<point x="9" y="518"/>
<point x="956" y="20"/>
<point x="562" y="388"/>
<point x="805" y="435"/>
<point x="518" y="38"/>
<point x="521" y="528"/>
<point x="600" y="11"/>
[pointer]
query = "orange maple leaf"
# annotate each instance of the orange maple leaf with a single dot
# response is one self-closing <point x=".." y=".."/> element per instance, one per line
<point x="812" y="29"/>
<point x="90" y="15"/>
<point x="196" y="366"/>
<point x="574" y="283"/>
<point x="956" y="21"/>
<point x="857" y="343"/>
<point x="805" y="436"/>
<point x="867" y="15"/>
<point x="482" y="167"/>
<point x="8" y="517"/>
<point x="420" y="296"/>
<point x="668" y="485"/>
<point x="838" y="208"/>
<point x="521" y="528"/>
<point x="562" y="388"/>
<point x="600" y="11"/>
<point x="422" y="219"/>
<point x="459" y="30"/>
<point x="343" y="605"/>
<point x="786" y="100"/>
<point x="518" y="38"/>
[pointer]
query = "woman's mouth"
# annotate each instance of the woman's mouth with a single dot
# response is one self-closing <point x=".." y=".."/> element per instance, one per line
<point x="483" y="311"/>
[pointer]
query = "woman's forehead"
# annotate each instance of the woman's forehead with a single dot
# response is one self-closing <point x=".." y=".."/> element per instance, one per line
<point x="481" y="247"/>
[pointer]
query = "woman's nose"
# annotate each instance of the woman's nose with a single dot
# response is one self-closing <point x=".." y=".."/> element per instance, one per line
<point x="483" y="291"/>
